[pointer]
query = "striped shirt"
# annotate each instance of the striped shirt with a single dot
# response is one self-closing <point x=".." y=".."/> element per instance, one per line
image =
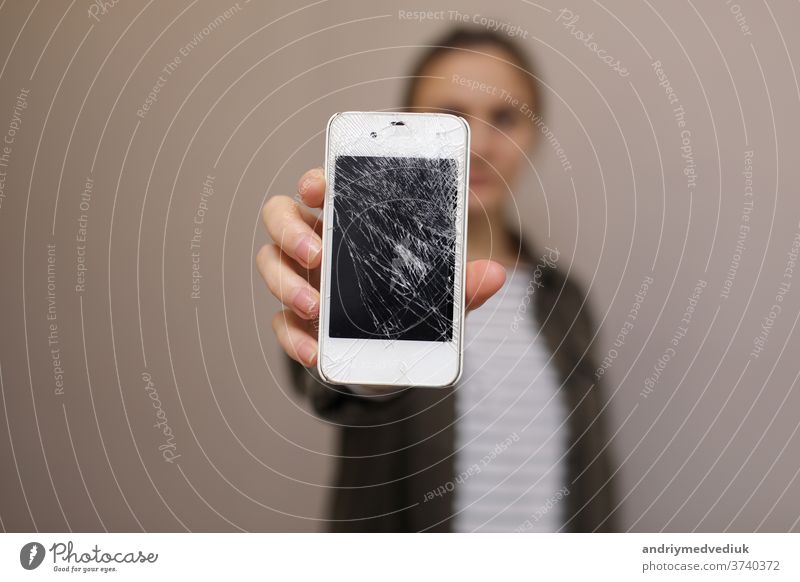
<point x="510" y="429"/>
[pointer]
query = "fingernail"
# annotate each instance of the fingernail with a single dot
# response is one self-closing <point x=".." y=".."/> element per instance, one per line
<point x="304" y="186"/>
<point x="314" y="174"/>
<point x="307" y="353"/>
<point x="308" y="248"/>
<point x="305" y="301"/>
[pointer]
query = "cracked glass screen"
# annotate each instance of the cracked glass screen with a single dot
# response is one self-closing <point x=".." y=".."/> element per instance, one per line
<point x="393" y="249"/>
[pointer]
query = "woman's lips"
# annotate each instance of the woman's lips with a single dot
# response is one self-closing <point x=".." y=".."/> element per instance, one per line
<point x="475" y="179"/>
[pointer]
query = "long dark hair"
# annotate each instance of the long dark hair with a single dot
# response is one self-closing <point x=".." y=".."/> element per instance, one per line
<point x="468" y="39"/>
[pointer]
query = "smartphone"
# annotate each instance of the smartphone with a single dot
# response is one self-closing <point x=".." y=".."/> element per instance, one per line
<point x="394" y="249"/>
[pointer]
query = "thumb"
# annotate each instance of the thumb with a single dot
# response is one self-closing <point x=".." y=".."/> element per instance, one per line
<point x="484" y="278"/>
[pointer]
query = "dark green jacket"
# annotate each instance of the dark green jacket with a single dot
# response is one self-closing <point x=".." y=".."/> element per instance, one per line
<point x="393" y="453"/>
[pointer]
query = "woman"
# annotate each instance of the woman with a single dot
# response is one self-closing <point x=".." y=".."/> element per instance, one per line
<point x="519" y="444"/>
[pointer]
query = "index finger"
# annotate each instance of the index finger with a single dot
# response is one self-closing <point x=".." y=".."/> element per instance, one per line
<point x="311" y="187"/>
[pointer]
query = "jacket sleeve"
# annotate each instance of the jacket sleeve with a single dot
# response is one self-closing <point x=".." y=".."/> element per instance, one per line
<point x="340" y="404"/>
<point x="598" y="450"/>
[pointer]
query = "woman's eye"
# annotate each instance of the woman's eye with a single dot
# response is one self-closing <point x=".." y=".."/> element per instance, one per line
<point x="451" y="109"/>
<point x="504" y="119"/>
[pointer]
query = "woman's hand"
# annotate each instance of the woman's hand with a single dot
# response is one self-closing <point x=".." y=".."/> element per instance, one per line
<point x="290" y="267"/>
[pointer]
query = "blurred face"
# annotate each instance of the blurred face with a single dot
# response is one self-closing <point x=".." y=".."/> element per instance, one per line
<point x="481" y="89"/>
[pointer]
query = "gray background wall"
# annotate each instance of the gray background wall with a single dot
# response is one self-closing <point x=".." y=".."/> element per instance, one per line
<point x="713" y="447"/>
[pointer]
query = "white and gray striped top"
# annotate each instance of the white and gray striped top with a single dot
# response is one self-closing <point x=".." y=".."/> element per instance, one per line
<point x="510" y="429"/>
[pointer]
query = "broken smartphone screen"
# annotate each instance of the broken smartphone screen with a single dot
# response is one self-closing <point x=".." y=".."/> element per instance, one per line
<point x="393" y="248"/>
<point x="394" y="232"/>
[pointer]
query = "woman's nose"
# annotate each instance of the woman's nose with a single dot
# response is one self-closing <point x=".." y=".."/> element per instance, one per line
<point x="480" y="140"/>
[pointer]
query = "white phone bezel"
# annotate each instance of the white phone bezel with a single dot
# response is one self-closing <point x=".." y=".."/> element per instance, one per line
<point x="374" y="362"/>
